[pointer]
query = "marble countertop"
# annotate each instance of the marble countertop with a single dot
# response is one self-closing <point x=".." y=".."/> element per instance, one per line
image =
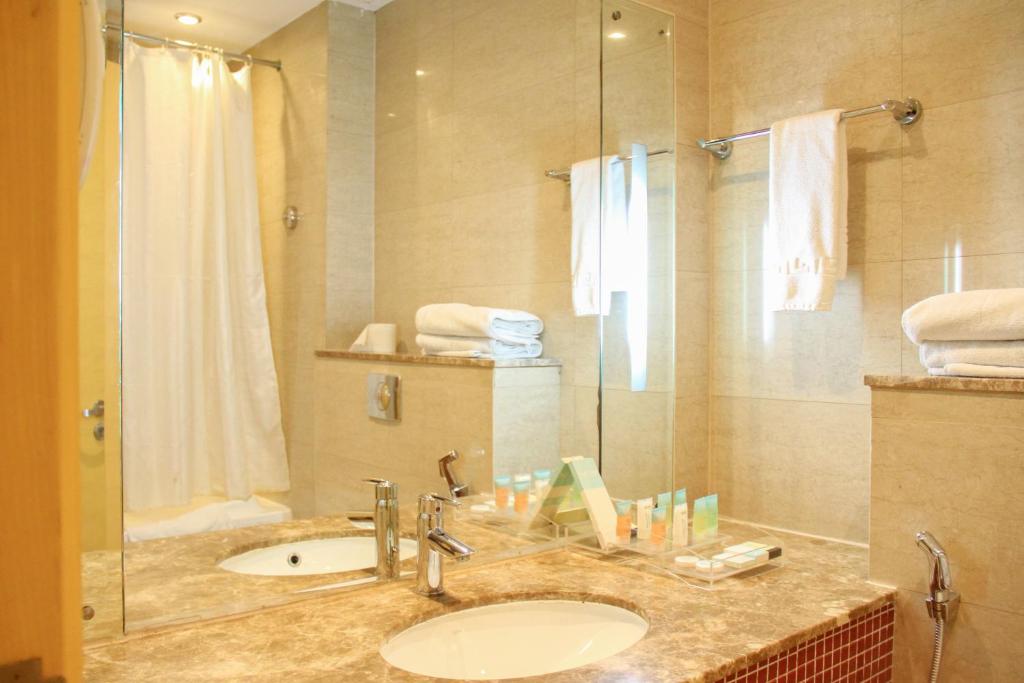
<point x="420" y="359"/>
<point x="696" y="634"/>
<point x="174" y="580"/>
<point x="927" y="382"/>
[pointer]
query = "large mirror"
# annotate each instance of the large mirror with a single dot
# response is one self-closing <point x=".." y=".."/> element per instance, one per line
<point x="302" y="202"/>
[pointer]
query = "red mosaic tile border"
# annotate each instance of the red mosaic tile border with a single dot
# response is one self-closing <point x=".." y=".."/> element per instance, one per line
<point x="859" y="651"/>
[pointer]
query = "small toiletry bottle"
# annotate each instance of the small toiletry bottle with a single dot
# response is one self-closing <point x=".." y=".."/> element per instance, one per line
<point x="644" y="508"/>
<point x="664" y="501"/>
<point x="623" y="521"/>
<point x="541" y="482"/>
<point x="659" y="519"/>
<point x="522" y="496"/>
<point x="502" y="489"/>
<point x="680" y="520"/>
<point x="705" y="518"/>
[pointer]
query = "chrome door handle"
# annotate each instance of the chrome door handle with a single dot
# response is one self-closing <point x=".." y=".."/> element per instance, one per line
<point x="96" y="410"/>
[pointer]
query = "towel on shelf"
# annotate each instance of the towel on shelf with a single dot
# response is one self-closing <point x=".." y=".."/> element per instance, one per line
<point x="998" y="353"/>
<point x="462" y="320"/>
<point x="972" y="370"/>
<point x="599" y="226"/>
<point x="978" y="315"/>
<point x="807" y="198"/>
<point x="478" y="347"/>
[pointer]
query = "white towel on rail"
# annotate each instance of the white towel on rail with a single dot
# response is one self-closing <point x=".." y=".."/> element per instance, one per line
<point x="463" y="320"/>
<point x="807" y="197"/>
<point x="977" y="315"/>
<point x="599" y="225"/>
<point x="971" y="370"/>
<point x="477" y="347"/>
<point x="943" y="353"/>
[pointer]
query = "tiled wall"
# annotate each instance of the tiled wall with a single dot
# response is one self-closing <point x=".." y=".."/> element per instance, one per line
<point x="951" y="463"/>
<point x="861" y="650"/>
<point x="312" y="122"/>
<point x="932" y="208"/>
<point x="468" y="119"/>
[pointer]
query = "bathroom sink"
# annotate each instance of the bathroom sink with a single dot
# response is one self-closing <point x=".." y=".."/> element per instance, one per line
<point x="319" y="556"/>
<point x="514" y="639"/>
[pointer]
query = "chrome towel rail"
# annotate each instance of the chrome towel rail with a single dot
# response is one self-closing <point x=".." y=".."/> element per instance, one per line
<point x="905" y="113"/>
<point x="565" y="175"/>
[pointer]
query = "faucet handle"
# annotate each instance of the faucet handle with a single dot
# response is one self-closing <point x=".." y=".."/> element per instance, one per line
<point x="434" y="503"/>
<point x="384" y="489"/>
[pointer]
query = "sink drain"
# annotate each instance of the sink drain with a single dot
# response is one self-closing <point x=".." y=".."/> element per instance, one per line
<point x="294" y="559"/>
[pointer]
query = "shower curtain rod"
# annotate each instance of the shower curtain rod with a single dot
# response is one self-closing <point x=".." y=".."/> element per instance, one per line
<point x="905" y="113"/>
<point x="170" y="42"/>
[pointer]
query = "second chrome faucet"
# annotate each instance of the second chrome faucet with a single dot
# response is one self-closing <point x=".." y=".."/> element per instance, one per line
<point x="434" y="544"/>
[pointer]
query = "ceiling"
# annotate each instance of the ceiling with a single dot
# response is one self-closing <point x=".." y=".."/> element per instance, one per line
<point x="233" y="25"/>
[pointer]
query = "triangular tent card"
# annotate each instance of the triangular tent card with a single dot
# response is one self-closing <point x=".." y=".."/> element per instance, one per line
<point x="578" y="493"/>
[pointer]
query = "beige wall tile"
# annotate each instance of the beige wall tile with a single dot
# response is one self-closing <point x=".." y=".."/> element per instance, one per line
<point x="535" y="44"/>
<point x="982" y="646"/>
<point x="523" y="132"/>
<point x="956" y="51"/>
<point x="693" y="239"/>
<point x="806" y="356"/>
<point x="962" y="483"/>
<point x="691" y="67"/>
<point x="724" y="11"/>
<point x="414" y="165"/>
<point x="970" y="211"/>
<point x="691" y="450"/>
<point x="792" y="464"/>
<point x="636" y="435"/>
<point x="762" y="69"/>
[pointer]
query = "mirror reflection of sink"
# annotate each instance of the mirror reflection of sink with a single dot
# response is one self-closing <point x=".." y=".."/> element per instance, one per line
<point x="515" y="639"/>
<point x="318" y="556"/>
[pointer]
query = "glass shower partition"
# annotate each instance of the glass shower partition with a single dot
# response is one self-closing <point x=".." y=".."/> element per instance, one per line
<point x="637" y="333"/>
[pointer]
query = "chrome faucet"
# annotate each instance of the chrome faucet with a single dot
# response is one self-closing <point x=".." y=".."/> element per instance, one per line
<point x="386" y="527"/>
<point x="434" y="544"/>
<point x="456" y="489"/>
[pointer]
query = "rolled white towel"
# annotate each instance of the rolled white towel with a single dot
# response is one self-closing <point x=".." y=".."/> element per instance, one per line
<point x="477" y="347"/>
<point x="1003" y="353"/>
<point x="979" y="315"/>
<point x="972" y="370"/>
<point x="463" y="320"/>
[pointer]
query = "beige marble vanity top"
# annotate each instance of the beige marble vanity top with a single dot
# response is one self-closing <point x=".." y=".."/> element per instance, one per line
<point x="177" y="579"/>
<point x="695" y="634"/>
<point x="927" y="382"/>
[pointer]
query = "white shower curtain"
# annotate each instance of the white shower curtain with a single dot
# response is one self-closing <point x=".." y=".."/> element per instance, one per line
<point x="201" y="408"/>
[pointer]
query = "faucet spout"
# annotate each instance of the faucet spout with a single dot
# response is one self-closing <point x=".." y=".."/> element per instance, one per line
<point x="449" y="546"/>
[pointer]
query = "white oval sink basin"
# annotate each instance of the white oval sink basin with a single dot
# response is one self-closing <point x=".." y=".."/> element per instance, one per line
<point x="515" y="639"/>
<point x="319" y="556"/>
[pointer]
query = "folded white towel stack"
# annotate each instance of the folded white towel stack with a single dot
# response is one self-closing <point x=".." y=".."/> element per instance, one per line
<point x="478" y="332"/>
<point x="807" y="195"/>
<point x="970" y="334"/>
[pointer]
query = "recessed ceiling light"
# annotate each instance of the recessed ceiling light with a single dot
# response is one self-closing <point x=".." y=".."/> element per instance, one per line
<point x="187" y="18"/>
<point x="421" y="72"/>
<point x="616" y="35"/>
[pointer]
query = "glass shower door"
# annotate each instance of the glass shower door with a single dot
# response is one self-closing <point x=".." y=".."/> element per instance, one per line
<point x="638" y="332"/>
<point x="99" y="325"/>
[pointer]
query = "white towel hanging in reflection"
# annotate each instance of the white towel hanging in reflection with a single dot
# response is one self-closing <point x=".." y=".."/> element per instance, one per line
<point x="598" y="234"/>
<point x="637" y="246"/>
